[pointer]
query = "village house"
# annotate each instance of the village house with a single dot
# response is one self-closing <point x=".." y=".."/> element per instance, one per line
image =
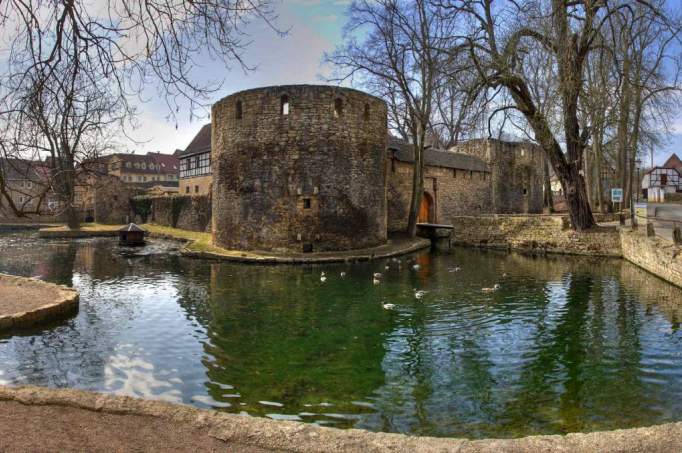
<point x="28" y="185"/>
<point x="663" y="180"/>
<point x="144" y="169"/>
<point x="195" y="165"/>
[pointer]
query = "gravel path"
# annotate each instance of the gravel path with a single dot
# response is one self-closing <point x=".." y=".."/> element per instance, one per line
<point x="55" y="428"/>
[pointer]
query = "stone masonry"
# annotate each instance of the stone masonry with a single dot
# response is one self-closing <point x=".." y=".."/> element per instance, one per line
<point x="516" y="170"/>
<point x="299" y="168"/>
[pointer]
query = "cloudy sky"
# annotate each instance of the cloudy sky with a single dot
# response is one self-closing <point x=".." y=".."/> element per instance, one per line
<point x="315" y="26"/>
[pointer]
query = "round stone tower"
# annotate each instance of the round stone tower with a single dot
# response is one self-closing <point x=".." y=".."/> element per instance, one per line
<point x="299" y="168"/>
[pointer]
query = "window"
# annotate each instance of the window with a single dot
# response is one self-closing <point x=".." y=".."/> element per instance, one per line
<point x="338" y="107"/>
<point x="365" y="114"/>
<point x="187" y="189"/>
<point x="306" y="203"/>
<point x="144" y="166"/>
<point x="197" y="165"/>
<point x="128" y="165"/>
<point x="196" y="189"/>
<point x="664" y="179"/>
<point x="238" y="110"/>
<point x="284" y="105"/>
<point x="525" y="191"/>
<point x="454" y="172"/>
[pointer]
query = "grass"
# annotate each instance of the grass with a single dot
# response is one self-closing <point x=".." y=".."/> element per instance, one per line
<point x="93" y="227"/>
<point x="201" y="242"/>
<point x="198" y="241"/>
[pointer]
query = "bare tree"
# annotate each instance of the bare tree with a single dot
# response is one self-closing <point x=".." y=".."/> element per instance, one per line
<point x="568" y="32"/>
<point x="74" y="68"/>
<point x="393" y="49"/>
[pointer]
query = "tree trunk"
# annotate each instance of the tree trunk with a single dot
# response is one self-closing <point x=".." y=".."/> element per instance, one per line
<point x="596" y="144"/>
<point x="417" y="189"/>
<point x="576" y="199"/>
<point x="549" y="199"/>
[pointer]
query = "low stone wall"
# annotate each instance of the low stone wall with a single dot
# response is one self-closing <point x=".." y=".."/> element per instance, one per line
<point x="41" y="302"/>
<point x="534" y="233"/>
<point x="192" y="213"/>
<point x="656" y="255"/>
<point x="260" y="434"/>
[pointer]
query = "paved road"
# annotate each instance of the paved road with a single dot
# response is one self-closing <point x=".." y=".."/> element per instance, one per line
<point x="664" y="216"/>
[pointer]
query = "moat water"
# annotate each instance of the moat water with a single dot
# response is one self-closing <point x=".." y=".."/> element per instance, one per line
<point x="566" y="344"/>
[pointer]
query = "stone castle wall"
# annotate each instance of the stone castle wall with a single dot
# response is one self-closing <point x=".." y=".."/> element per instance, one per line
<point x="309" y="180"/>
<point x="111" y="200"/>
<point x="191" y="213"/>
<point x="454" y="193"/>
<point x="517" y="177"/>
<point x="535" y="233"/>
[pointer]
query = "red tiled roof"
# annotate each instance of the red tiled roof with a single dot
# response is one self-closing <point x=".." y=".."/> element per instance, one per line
<point x="673" y="162"/>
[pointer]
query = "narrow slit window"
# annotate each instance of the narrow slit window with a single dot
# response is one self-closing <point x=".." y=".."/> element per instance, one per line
<point x="306" y="203"/>
<point x="238" y="110"/>
<point x="365" y="115"/>
<point x="284" y="105"/>
<point x="338" y="107"/>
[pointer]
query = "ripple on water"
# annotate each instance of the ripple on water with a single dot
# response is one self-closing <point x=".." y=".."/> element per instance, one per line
<point x="566" y="344"/>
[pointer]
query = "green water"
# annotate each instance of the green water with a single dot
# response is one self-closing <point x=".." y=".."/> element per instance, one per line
<point x="566" y="344"/>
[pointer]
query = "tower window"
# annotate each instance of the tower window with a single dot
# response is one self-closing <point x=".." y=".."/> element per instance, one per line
<point x="365" y="115"/>
<point x="338" y="107"/>
<point x="306" y="203"/>
<point x="284" y="105"/>
<point x="238" y="110"/>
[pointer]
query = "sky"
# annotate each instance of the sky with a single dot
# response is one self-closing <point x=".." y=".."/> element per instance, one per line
<point x="314" y="26"/>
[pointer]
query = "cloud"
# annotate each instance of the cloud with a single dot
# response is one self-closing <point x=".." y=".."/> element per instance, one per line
<point x="293" y="59"/>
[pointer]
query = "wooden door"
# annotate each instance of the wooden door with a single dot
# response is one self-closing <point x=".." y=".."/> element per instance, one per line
<point x="425" y="209"/>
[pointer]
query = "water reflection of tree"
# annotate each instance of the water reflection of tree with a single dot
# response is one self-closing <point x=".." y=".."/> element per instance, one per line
<point x="278" y="334"/>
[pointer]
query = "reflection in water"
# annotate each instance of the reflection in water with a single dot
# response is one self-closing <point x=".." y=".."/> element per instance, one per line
<point x="566" y="344"/>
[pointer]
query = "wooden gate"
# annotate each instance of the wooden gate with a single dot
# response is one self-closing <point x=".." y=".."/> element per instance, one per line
<point x="425" y="209"/>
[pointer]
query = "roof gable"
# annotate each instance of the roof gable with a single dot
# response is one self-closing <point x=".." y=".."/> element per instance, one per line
<point x="201" y="143"/>
<point x="673" y="162"/>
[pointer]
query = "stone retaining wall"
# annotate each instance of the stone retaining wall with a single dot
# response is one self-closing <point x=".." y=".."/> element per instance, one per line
<point x="656" y="255"/>
<point x="535" y="233"/>
<point x="192" y="213"/>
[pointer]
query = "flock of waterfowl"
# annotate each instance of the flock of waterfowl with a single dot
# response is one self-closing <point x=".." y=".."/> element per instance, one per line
<point x="418" y="294"/>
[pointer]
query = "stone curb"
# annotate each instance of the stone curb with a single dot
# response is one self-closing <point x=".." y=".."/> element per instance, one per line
<point x="301" y="437"/>
<point x="417" y="244"/>
<point x="64" y="304"/>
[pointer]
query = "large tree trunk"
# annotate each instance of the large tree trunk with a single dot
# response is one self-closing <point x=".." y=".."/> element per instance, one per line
<point x="579" y="209"/>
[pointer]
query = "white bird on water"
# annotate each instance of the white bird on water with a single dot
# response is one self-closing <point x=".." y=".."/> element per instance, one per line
<point x="416" y="267"/>
<point x="323" y="279"/>
<point x="455" y="269"/>
<point x="376" y="281"/>
<point x="389" y="306"/>
<point x="491" y="290"/>
<point x="419" y="294"/>
<point x="377" y="275"/>
<point x="343" y="274"/>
